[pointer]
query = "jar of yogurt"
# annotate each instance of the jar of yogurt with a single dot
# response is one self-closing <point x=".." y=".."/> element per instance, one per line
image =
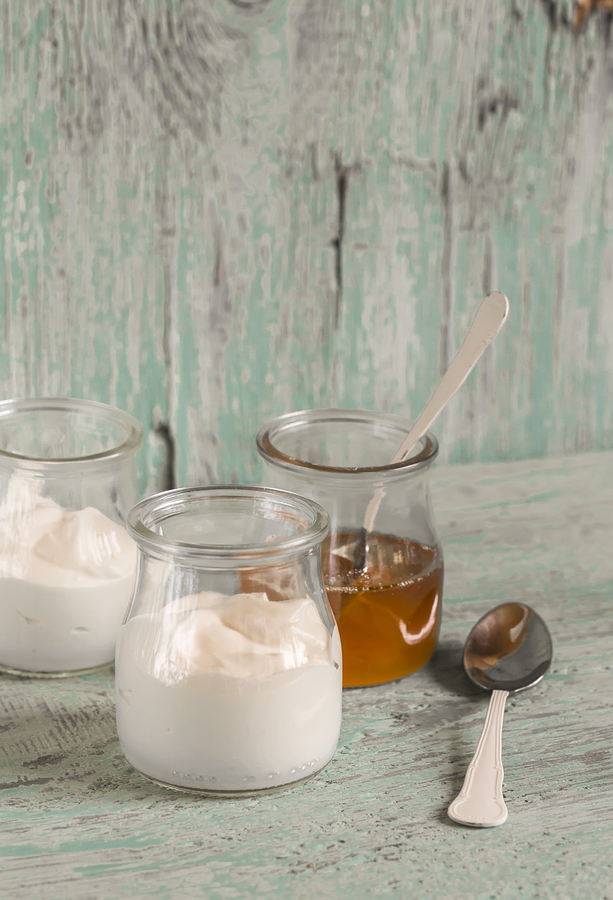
<point x="228" y="667"/>
<point x="67" y="563"/>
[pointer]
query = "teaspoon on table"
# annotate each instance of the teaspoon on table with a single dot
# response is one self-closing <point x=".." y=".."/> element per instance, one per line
<point x="508" y="650"/>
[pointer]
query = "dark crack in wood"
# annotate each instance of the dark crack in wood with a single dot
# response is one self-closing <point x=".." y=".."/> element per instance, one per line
<point x="337" y="243"/>
<point x="168" y="477"/>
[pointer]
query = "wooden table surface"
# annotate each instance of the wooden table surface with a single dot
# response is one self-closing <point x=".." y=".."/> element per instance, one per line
<point x="78" y="822"/>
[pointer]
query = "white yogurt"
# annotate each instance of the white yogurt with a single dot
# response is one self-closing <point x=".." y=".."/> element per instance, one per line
<point x="66" y="578"/>
<point x="225" y="693"/>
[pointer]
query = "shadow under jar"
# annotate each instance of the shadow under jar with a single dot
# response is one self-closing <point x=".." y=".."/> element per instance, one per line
<point x="383" y="577"/>
<point x="67" y="564"/>
<point x="228" y="667"/>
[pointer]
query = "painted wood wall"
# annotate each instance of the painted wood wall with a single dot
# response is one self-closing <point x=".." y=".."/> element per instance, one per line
<point x="216" y="211"/>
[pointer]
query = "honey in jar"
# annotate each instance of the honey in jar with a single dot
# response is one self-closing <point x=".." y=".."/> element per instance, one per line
<point x="389" y="612"/>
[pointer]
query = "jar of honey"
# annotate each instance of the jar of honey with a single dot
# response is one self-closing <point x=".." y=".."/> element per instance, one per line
<point x="382" y="563"/>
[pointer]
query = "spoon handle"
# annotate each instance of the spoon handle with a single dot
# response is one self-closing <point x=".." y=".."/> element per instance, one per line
<point x="488" y="321"/>
<point x="480" y="802"/>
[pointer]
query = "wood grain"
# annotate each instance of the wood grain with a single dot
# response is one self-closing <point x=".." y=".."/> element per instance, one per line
<point x="215" y="212"/>
<point x="78" y="822"/>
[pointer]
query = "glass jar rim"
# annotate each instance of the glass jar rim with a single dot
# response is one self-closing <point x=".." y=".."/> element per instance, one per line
<point x="423" y="456"/>
<point x="174" y="501"/>
<point x="128" y="447"/>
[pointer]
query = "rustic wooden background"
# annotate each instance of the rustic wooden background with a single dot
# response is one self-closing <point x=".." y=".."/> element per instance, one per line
<point x="216" y="211"/>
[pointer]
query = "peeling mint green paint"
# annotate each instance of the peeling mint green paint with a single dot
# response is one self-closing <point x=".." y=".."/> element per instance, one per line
<point x="172" y="222"/>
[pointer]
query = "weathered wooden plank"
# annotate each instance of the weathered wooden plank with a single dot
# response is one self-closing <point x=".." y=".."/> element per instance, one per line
<point x="214" y="213"/>
<point x="77" y="821"/>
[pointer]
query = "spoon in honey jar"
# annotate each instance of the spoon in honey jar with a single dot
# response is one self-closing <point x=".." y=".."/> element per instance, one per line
<point x="489" y="319"/>
<point x="508" y="650"/>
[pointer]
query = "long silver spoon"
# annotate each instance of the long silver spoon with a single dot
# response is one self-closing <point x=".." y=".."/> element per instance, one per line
<point x="508" y="650"/>
<point x="488" y="321"/>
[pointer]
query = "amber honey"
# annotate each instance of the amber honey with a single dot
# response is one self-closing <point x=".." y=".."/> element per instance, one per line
<point x="389" y="611"/>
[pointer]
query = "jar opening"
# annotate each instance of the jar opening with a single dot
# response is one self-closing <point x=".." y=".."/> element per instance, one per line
<point x="350" y="441"/>
<point x="228" y="522"/>
<point x="60" y="431"/>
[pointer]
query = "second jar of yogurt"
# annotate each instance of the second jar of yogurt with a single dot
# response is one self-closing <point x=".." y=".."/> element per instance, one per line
<point x="228" y="667"/>
<point x="67" y="564"/>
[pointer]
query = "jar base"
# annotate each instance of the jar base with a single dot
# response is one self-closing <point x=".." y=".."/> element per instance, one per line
<point x="229" y="795"/>
<point x="25" y="673"/>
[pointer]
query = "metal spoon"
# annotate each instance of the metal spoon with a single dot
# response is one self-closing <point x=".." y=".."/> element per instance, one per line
<point x="508" y="650"/>
<point x="489" y="319"/>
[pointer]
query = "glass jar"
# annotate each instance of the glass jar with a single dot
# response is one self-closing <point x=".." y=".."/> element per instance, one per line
<point x="67" y="564"/>
<point x="228" y="667"/>
<point x="382" y="564"/>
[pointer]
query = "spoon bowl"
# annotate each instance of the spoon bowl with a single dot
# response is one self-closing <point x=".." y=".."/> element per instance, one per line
<point x="508" y="650"/>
